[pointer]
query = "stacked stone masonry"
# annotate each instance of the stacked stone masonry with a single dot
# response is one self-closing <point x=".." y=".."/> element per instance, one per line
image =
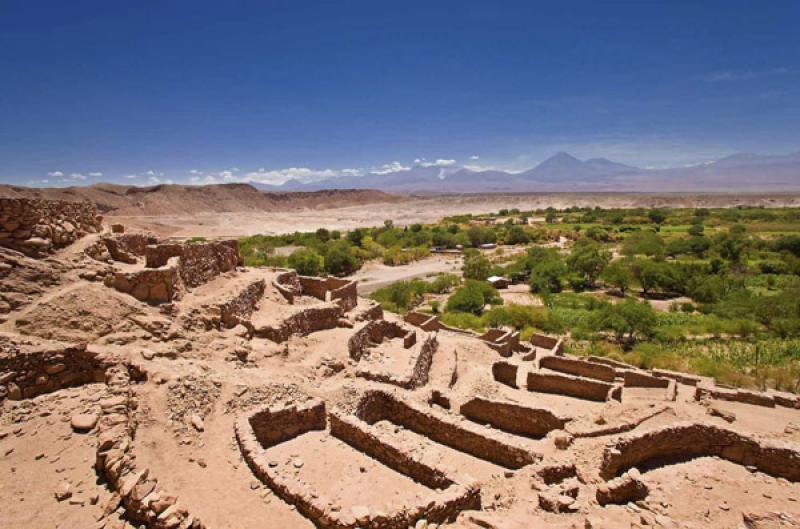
<point x="36" y="227"/>
<point x="689" y="440"/>
<point x="267" y="427"/>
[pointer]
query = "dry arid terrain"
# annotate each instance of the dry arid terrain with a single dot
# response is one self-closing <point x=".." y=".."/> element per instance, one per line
<point x="237" y="210"/>
<point x="148" y="383"/>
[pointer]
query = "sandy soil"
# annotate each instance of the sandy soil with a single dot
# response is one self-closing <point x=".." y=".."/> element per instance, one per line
<point x="421" y="209"/>
<point x="374" y="275"/>
<point x="195" y="379"/>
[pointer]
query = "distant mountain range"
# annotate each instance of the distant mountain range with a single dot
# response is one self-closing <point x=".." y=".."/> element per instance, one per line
<point x="564" y="172"/>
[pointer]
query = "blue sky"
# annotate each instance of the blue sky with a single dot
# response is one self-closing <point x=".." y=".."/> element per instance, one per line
<point x="142" y="92"/>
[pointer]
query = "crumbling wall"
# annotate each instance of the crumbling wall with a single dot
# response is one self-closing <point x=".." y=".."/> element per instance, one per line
<point x="288" y="285"/>
<point x="324" y="316"/>
<point x="198" y="263"/>
<point x="376" y="331"/>
<point x="573" y="386"/>
<point x="32" y="367"/>
<point x="505" y="342"/>
<point x="513" y="418"/>
<point x="735" y="395"/>
<point x="231" y="310"/>
<point x="121" y="247"/>
<point x="496" y="447"/>
<point x="418" y="371"/>
<point x="683" y="378"/>
<point x="343" y="291"/>
<point x="273" y="426"/>
<point x="36" y="226"/>
<point x="267" y="427"/>
<point x="136" y="489"/>
<point x="360" y="436"/>
<point x="689" y="440"/>
<point x="152" y="285"/>
<point x="579" y="368"/>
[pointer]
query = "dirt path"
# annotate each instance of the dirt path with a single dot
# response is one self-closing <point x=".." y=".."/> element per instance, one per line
<point x="375" y="275"/>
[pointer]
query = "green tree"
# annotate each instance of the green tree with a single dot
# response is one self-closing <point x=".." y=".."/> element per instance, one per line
<point x="588" y="259"/>
<point x="306" y="261"/>
<point x="340" y="259"/>
<point x="471" y="297"/>
<point x="653" y="275"/>
<point x="476" y="266"/>
<point x="618" y="274"/>
<point x="644" y="243"/>
<point x="628" y="320"/>
<point x="516" y="235"/>
<point x="696" y="229"/>
<point x="547" y="276"/>
<point x="656" y="216"/>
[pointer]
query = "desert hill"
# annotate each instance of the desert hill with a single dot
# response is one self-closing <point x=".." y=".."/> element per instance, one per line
<point x="112" y="199"/>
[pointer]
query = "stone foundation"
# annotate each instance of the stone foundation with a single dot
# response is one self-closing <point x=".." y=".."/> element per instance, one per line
<point x="135" y="487"/>
<point x="270" y="426"/>
<point x="579" y="368"/>
<point x="689" y="440"/>
<point x="411" y="375"/>
<point x="443" y="428"/>
<point x="30" y="367"/>
<point x="198" y="263"/>
<point x="572" y="386"/>
<point x="121" y="247"/>
<point x="151" y="285"/>
<point x="513" y="418"/>
<point x="312" y="319"/>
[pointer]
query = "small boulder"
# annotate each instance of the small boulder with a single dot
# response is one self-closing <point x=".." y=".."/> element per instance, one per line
<point x="197" y="422"/>
<point x="84" y="422"/>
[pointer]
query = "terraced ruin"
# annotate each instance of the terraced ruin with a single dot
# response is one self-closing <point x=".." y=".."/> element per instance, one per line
<point x="148" y="383"/>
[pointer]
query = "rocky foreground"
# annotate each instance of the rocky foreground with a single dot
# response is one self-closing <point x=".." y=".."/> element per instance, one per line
<point x="163" y="385"/>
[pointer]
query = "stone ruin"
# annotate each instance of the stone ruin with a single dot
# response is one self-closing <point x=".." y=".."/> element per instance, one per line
<point x="389" y="352"/>
<point x="340" y="416"/>
<point x="171" y="269"/>
<point x="36" y="227"/>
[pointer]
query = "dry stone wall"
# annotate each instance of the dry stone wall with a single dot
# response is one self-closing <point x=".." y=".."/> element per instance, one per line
<point x="36" y="227"/>
<point x="689" y="440"/>
<point x="513" y="418"/>
<point x="577" y="367"/>
<point x="573" y="386"/>
<point x="270" y="426"/>
<point x="32" y="367"/>
<point x="489" y="445"/>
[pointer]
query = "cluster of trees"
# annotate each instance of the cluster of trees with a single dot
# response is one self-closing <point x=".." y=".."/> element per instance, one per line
<point x="404" y="295"/>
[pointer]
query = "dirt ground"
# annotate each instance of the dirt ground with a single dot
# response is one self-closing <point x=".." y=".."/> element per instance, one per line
<point x="423" y="209"/>
<point x="194" y="383"/>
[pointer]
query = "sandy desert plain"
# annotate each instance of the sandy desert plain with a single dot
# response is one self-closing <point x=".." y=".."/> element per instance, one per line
<point x="152" y="382"/>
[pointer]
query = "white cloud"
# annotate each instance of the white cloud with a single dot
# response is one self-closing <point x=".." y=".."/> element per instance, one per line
<point x="474" y="157"/>
<point x="96" y="174"/>
<point x="195" y="172"/>
<point x="393" y="167"/>
<point x="304" y="174"/>
<point x="436" y="163"/>
<point x="153" y="179"/>
<point x="130" y="176"/>
<point x="77" y="176"/>
<point x="55" y="174"/>
<point x="423" y="162"/>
